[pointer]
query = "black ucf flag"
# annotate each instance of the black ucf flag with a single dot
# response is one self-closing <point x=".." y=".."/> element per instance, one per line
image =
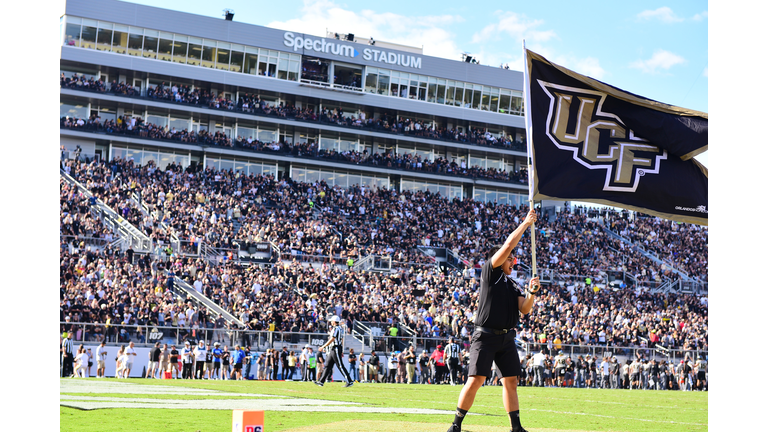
<point x="592" y="142"/>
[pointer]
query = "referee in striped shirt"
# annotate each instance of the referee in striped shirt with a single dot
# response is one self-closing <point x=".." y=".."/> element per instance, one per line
<point x="335" y="355"/>
<point x="67" y="356"/>
<point x="451" y="358"/>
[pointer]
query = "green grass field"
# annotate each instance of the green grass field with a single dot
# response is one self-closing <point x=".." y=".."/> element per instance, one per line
<point x="176" y="405"/>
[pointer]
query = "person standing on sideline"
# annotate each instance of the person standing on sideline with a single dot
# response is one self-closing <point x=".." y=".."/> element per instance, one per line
<point x="68" y="356"/>
<point x="424" y="367"/>
<point x="187" y="360"/>
<point x="199" y="356"/>
<point x="538" y="368"/>
<point x="499" y="305"/>
<point x="225" y="360"/>
<point x="353" y="365"/>
<point x="216" y="353"/>
<point x="131" y="353"/>
<point x="335" y="344"/>
<point x="373" y="367"/>
<point x="410" y="364"/>
<point x="311" y="365"/>
<point x="154" y="361"/>
<point x="174" y="362"/>
<point x="451" y="358"/>
<point x="90" y="361"/>
<point x="101" y="359"/>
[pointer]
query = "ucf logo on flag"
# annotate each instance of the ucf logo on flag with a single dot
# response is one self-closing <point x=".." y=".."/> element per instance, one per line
<point x="593" y="142"/>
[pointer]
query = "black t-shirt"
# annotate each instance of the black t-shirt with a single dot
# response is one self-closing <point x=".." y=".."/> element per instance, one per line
<point x="156" y="354"/>
<point x="352" y="359"/>
<point x="225" y="358"/>
<point x="374" y="360"/>
<point x="174" y="355"/>
<point x="411" y="359"/>
<point x="497" y="306"/>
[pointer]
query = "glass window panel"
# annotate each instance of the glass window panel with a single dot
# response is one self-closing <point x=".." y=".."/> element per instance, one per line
<point x="485" y="100"/>
<point x="476" y="161"/>
<point x="269" y="170"/>
<point x="341" y="180"/>
<point x="226" y="165"/>
<point x="150" y="47"/>
<point x="104" y="40"/>
<point x="468" y="98"/>
<point x="225" y="46"/>
<point x="366" y="181"/>
<point x="165" y="49"/>
<point x="133" y="155"/>
<point x="383" y="83"/>
<point x="293" y="71"/>
<point x="241" y="166"/>
<point x="165" y="160"/>
<point x="328" y="177"/>
<point x="327" y="144"/>
<point x="413" y="92"/>
<point x="255" y="169"/>
<point x="494" y="102"/>
<point x="149" y="156"/>
<point x="180" y="52"/>
<point x="347" y="146"/>
<point x="282" y="69"/>
<point x="72" y="34"/>
<point x="517" y="105"/>
<point x="161" y="121"/>
<point x="251" y="64"/>
<point x="246" y="132"/>
<point x="119" y="42"/>
<point x="456" y="192"/>
<point x="88" y="37"/>
<point x="502" y="198"/>
<point x="135" y="43"/>
<point x="432" y="92"/>
<point x="236" y="61"/>
<point x="194" y="54"/>
<point x="212" y="163"/>
<point x="451" y="89"/>
<point x="504" y="101"/>
<point x="179" y="124"/>
<point x="118" y="152"/>
<point x="73" y="111"/>
<point x="266" y="136"/>
<point x="312" y="176"/>
<point x="165" y="35"/>
<point x="222" y="59"/>
<point x="207" y="59"/>
<point x="299" y="174"/>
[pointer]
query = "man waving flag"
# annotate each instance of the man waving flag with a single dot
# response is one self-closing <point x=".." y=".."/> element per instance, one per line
<point x="590" y="141"/>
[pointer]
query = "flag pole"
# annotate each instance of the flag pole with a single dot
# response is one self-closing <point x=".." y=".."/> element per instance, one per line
<point x="526" y="109"/>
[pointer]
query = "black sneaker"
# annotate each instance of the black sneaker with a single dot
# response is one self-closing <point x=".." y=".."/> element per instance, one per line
<point x="520" y="429"/>
<point x="318" y="383"/>
<point x="454" y="428"/>
<point x="349" y="384"/>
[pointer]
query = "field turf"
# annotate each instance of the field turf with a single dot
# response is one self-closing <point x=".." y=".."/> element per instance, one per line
<point x="542" y="409"/>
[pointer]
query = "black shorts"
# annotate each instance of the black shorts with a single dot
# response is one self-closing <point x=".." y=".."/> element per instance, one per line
<point x="701" y="376"/>
<point x="238" y="366"/>
<point x="487" y="348"/>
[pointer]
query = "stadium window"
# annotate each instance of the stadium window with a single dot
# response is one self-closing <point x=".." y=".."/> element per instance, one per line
<point x="371" y="75"/>
<point x="180" y="49"/>
<point x="165" y="49"/>
<point x="504" y="101"/>
<point x="441" y="94"/>
<point x="236" y="58"/>
<point x="208" y="53"/>
<point x="135" y="43"/>
<point x="485" y="102"/>
<point x="150" y="44"/>
<point x="383" y="82"/>
<point x="72" y="32"/>
<point x="494" y="107"/>
<point x="104" y="38"/>
<point x="222" y="56"/>
<point x="120" y="39"/>
<point x="88" y="36"/>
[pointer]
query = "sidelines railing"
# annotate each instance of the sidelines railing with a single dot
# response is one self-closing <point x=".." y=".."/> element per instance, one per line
<point x="147" y="335"/>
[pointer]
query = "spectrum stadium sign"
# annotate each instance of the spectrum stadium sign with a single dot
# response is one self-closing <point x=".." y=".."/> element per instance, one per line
<point x="322" y="46"/>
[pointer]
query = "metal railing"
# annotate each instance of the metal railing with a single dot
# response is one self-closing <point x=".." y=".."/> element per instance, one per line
<point x="331" y="86"/>
<point x="129" y="234"/>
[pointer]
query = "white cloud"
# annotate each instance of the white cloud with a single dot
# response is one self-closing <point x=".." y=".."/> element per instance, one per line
<point x="663" y="14"/>
<point x="317" y="16"/>
<point x="701" y="16"/>
<point x="706" y="72"/>
<point x="661" y="59"/>
<point x="516" y="26"/>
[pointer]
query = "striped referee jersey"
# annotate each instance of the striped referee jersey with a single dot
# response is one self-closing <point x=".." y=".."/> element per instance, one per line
<point x="453" y="350"/>
<point x="337" y="333"/>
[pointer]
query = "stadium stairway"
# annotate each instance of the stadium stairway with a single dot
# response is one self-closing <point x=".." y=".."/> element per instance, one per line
<point x="188" y="292"/>
<point x="154" y="215"/>
<point x="129" y="235"/>
<point x="653" y="257"/>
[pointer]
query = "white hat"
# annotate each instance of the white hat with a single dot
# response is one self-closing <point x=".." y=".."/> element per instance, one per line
<point x="336" y="318"/>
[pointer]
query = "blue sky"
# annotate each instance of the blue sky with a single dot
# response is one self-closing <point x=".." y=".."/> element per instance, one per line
<point x="655" y="49"/>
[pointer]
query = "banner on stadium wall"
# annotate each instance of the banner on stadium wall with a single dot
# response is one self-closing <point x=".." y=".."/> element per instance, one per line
<point x="593" y="142"/>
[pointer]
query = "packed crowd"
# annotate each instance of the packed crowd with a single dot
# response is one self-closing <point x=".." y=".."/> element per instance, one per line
<point x="388" y="159"/>
<point x="230" y="210"/>
<point x="253" y="104"/>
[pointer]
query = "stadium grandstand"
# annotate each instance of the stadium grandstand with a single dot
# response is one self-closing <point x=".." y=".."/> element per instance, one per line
<point x="213" y="189"/>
